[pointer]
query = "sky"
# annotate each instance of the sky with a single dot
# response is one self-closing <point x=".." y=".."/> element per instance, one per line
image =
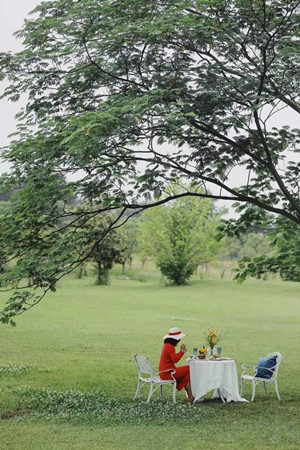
<point x="12" y="15"/>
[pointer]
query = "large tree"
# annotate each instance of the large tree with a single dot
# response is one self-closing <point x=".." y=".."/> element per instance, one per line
<point x="124" y="96"/>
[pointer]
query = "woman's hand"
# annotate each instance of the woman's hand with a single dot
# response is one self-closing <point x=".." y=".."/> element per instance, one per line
<point x="183" y="348"/>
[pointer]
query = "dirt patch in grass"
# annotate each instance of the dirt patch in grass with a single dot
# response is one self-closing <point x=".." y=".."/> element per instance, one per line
<point x="7" y="415"/>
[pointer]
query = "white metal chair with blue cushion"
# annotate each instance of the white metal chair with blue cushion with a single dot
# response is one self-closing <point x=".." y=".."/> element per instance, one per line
<point x="266" y="371"/>
<point x="146" y="375"/>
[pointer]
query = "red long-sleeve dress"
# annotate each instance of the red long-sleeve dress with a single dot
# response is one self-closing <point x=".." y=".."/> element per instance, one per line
<point x="167" y="361"/>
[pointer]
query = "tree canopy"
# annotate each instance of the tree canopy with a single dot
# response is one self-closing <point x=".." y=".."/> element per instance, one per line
<point x="123" y="97"/>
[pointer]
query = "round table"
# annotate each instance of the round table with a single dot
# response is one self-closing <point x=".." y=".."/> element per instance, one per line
<point x="218" y="375"/>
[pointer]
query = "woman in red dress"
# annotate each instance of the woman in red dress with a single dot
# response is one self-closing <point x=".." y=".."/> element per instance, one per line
<point x="168" y="359"/>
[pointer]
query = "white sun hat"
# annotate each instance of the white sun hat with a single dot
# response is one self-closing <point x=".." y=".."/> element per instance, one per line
<point x="175" y="333"/>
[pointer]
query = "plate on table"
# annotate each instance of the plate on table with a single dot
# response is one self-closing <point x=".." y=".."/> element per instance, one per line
<point x="221" y="358"/>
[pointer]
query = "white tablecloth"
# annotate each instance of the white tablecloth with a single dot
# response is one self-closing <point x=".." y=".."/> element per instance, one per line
<point x="220" y="376"/>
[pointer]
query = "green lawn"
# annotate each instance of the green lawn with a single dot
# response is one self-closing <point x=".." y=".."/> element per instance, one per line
<point x="68" y="375"/>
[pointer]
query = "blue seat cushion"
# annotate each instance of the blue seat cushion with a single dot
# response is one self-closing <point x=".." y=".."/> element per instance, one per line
<point x="266" y="363"/>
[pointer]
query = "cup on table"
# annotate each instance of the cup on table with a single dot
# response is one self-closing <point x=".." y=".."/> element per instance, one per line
<point x="195" y="351"/>
<point x="219" y="350"/>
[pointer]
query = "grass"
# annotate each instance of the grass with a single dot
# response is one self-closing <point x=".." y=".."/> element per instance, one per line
<point x="67" y="373"/>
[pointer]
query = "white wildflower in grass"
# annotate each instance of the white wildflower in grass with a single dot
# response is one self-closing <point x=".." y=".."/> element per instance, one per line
<point x="14" y="369"/>
<point x="94" y="406"/>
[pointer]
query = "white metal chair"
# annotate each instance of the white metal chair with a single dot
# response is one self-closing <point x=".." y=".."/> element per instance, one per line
<point x="256" y="380"/>
<point x="146" y="374"/>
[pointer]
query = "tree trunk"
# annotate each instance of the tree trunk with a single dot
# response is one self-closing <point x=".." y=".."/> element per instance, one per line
<point x="102" y="275"/>
<point x="82" y="271"/>
<point x="207" y="269"/>
<point x="99" y="274"/>
<point x="223" y="270"/>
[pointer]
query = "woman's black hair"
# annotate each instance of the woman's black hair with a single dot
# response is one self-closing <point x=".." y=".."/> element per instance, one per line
<point x="171" y="341"/>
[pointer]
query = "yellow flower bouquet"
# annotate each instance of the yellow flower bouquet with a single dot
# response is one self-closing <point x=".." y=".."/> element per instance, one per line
<point x="212" y="338"/>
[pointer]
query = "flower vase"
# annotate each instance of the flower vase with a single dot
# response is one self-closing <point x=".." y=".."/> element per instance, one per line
<point x="211" y="352"/>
